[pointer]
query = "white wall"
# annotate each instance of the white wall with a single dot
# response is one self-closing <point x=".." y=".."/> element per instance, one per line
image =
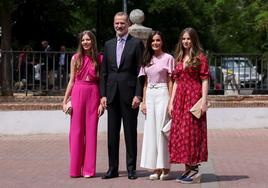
<point x="43" y="122"/>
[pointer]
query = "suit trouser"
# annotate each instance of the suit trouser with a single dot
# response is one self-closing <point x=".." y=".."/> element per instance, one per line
<point x="117" y="110"/>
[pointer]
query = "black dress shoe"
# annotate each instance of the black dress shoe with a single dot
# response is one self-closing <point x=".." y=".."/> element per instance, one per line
<point x="132" y="175"/>
<point x="110" y="174"/>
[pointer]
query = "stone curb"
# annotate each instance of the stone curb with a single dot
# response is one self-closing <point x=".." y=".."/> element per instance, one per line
<point x="55" y="102"/>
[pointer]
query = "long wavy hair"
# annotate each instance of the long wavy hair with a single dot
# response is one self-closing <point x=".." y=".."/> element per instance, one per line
<point x="149" y="52"/>
<point x="195" y="49"/>
<point x="93" y="52"/>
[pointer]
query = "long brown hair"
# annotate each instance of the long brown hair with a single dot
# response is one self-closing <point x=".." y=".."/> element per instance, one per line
<point x="195" y="49"/>
<point x="93" y="52"/>
<point x="149" y="52"/>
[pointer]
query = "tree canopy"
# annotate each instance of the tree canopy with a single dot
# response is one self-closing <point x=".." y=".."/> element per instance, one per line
<point x="223" y="25"/>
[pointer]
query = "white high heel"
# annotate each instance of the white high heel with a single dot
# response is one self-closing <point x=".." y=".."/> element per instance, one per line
<point x="164" y="176"/>
<point x="87" y="176"/>
<point x="154" y="176"/>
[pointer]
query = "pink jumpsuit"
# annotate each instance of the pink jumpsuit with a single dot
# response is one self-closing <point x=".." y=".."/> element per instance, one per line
<point x="85" y="99"/>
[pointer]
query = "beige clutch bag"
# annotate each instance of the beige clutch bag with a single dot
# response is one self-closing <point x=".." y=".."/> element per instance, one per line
<point x="196" y="109"/>
<point x="69" y="108"/>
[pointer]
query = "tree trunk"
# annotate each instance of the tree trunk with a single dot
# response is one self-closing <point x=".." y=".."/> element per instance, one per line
<point x="5" y="63"/>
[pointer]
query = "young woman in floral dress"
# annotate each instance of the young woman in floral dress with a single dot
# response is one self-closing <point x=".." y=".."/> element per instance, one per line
<point x="188" y="136"/>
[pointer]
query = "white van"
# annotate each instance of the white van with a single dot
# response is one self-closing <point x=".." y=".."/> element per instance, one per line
<point x="241" y="69"/>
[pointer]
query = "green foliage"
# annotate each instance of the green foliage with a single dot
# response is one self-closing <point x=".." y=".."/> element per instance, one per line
<point x="49" y="20"/>
<point x="262" y="21"/>
<point x="223" y="25"/>
<point x="171" y="17"/>
<point x="238" y="25"/>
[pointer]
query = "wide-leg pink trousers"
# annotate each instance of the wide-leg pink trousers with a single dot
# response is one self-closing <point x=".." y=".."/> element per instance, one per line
<point x="85" y="99"/>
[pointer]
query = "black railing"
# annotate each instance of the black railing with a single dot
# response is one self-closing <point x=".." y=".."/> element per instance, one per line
<point x="36" y="71"/>
<point x="47" y="73"/>
<point x="238" y="74"/>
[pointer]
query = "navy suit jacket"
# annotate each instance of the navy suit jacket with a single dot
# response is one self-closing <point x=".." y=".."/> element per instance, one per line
<point x="124" y="78"/>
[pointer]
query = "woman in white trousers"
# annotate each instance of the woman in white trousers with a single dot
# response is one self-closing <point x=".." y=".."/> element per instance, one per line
<point x="157" y="67"/>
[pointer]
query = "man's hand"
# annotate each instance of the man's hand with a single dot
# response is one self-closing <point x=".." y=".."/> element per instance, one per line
<point x="100" y="110"/>
<point x="135" y="102"/>
<point x="104" y="102"/>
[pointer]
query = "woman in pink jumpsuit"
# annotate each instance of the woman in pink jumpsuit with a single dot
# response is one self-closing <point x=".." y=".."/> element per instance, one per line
<point x="83" y="89"/>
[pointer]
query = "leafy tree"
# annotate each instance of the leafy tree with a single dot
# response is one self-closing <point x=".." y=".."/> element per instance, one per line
<point x="223" y="25"/>
<point x="172" y="16"/>
<point x="6" y="8"/>
<point x="240" y="26"/>
<point x="50" y="20"/>
<point x="29" y="21"/>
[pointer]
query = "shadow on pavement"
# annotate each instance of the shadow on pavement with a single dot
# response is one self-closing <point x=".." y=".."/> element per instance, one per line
<point x="215" y="178"/>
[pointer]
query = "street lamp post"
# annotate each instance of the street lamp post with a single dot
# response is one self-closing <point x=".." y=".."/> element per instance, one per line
<point x="125" y="6"/>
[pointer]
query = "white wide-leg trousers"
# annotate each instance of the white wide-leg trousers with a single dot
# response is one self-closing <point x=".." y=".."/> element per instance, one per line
<point x="155" y="153"/>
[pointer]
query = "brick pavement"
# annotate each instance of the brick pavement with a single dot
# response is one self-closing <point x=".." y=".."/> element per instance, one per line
<point x="237" y="158"/>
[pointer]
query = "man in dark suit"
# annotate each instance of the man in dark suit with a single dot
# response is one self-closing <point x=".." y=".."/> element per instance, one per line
<point x="121" y="93"/>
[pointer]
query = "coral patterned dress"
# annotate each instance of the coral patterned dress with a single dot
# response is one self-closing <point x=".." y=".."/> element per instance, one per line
<point x="188" y="136"/>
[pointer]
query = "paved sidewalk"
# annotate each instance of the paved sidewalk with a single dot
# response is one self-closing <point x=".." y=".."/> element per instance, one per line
<point x="237" y="159"/>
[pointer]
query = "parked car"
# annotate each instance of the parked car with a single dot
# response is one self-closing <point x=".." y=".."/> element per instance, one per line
<point x="241" y="71"/>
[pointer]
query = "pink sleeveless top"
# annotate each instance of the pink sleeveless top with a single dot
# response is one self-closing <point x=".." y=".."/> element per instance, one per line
<point x="87" y="69"/>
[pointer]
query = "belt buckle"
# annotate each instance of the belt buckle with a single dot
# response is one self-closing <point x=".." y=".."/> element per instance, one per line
<point x="153" y="86"/>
